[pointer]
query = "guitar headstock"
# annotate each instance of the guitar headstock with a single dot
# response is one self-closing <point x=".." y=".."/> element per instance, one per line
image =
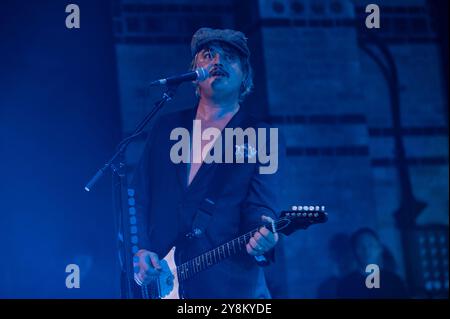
<point x="301" y="217"/>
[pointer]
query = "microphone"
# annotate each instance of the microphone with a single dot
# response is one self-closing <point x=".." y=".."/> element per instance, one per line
<point x="199" y="74"/>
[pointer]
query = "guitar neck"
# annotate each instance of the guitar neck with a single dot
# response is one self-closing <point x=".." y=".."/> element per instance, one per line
<point x="214" y="256"/>
<point x="300" y="217"/>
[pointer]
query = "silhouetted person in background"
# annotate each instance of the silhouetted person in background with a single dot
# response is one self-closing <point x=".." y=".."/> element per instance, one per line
<point x="340" y="253"/>
<point x="276" y="273"/>
<point x="369" y="250"/>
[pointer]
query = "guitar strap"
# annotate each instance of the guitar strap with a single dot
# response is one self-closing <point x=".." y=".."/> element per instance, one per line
<point x="207" y="207"/>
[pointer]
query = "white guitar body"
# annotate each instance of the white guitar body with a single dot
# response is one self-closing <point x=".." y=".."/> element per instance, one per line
<point x="167" y="281"/>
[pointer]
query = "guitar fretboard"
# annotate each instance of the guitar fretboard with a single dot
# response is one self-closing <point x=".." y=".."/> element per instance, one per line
<point x="303" y="217"/>
<point x="214" y="256"/>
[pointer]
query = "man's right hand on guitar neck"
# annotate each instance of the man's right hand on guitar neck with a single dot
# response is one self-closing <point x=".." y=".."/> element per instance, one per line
<point x="146" y="265"/>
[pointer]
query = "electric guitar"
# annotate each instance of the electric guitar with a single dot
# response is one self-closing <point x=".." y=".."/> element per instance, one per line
<point x="166" y="284"/>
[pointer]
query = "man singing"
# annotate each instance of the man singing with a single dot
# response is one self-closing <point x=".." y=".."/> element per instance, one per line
<point x="196" y="205"/>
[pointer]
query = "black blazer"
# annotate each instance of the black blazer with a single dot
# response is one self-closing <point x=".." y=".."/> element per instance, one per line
<point x="166" y="208"/>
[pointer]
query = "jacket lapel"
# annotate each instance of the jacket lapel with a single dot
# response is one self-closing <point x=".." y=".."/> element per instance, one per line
<point x="186" y="120"/>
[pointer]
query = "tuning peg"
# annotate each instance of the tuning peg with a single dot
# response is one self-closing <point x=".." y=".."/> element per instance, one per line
<point x="300" y="208"/>
<point x="311" y="207"/>
<point x="294" y="207"/>
<point x="323" y="208"/>
<point x="305" y="208"/>
<point x="316" y="214"/>
<point x="304" y="214"/>
<point x="310" y="215"/>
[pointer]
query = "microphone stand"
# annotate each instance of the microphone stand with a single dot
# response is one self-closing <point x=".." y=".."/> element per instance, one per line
<point x="118" y="171"/>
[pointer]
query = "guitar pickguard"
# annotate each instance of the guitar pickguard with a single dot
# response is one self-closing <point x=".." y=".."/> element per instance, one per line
<point x="165" y="285"/>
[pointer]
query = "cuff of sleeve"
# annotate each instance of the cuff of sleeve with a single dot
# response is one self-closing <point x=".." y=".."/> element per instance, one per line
<point x="266" y="259"/>
<point x="261" y="260"/>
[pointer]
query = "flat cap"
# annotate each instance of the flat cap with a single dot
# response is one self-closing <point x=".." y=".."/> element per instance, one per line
<point x="234" y="38"/>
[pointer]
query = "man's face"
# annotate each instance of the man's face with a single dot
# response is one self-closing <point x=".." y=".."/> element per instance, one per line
<point x="368" y="250"/>
<point x="225" y="70"/>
